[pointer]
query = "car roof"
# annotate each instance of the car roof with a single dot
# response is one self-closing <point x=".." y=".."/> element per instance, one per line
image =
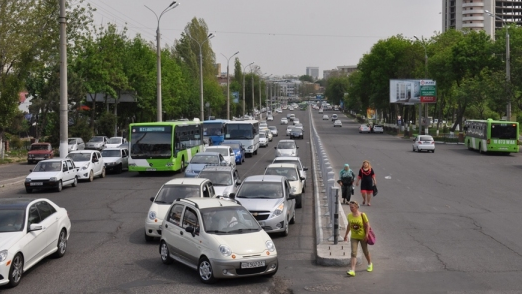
<point x="202" y="203"/>
<point x="54" y="159"/>
<point x="83" y="151"/>
<point x="186" y="181"/>
<point x="218" y="168"/>
<point x="16" y="203"/>
<point x="207" y="153"/>
<point x="286" y="141"/>
<point x="264" y="178"/>
<point x="217" y="147"/>
<point x="287" y="158"/>
<point x="287" y="165"/>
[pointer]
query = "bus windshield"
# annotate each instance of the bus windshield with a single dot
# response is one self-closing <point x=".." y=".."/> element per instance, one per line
<point x="239" y="131"/>
<point x="151" y="142"/>
<point x="212" y="129"/>
<point x="504" y="131"/>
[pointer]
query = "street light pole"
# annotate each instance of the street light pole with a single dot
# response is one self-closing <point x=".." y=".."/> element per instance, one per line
<point x="508" y="62"/>
<point x="253" y="89"/>
<point x="425" y="76"/>
<point x="228" y="83"/>
<point x="202" y="110"/>
<point x="158" y="56"/>
<point x="244" y="100"/>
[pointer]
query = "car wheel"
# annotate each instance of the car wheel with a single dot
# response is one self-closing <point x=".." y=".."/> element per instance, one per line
<point x="16" y="270"/>
<point x="28" y="190"/>
<point x="432" y="151"/>
<point x="91" y="176"/>
<point x="119" y="169"/>
<point x="62" y="244"/>
<point x="103" y="173"/>
<point x="255" y="152"/>
<point x="303" y="191"/>
<point x="299" y="201"/>
<point x="75" y="182"/>
<point x="164" y="253"/>
<point x="149" y="239"/>
<point x="285" y="232"/>
<point x="60" y="186"/>
<point x="205" y="271"/>
<point x="292" y="220"/>
<point x="413" y="148"/>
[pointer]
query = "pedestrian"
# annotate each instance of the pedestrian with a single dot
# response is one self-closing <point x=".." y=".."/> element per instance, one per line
<point x="358" y="226"/>
<point x="367" y="179"/>
<point x="346" y="178"/>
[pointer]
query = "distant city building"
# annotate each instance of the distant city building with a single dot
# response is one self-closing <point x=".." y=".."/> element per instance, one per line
<point x="313" y="72"/>
<point x="287" y="88"/>
<point x="470" y="14"/>
<point x="343" y="70"/>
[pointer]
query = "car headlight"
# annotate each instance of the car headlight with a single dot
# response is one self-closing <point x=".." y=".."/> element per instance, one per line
<point x="53" y="179"/>
<point x="152" y="215"/>
<point x="3" y="255"/>
<point x="84" y="167"/>
<point x="279" y="209"/>
<point x="270" y="246"/>
<point x="225" y="250"/>
<point x="27" y="180"/>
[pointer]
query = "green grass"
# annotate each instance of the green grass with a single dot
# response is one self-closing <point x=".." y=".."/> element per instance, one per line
<point x="13" y="156"/>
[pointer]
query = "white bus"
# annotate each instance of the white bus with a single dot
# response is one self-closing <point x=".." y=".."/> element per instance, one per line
<point x="245" y="131"/>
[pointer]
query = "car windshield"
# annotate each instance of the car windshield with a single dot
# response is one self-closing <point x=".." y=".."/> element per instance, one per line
<point x="289" y="173"/>
<point x="296" y="130"/>
<point x="272" y="128"/>
<point x="39" y="147"/>
<point x="218" y="178"/>
<point x="111" y="153"/>
<point x="296" y="162"/>
<point x="96" y="139"/>
<point x="268" y="190"/>
<point x="204" y="159"/>
<point x="11" y="220"/>
<point x="79" y="156"/>
<point x="232" y="145"/>
<point x="229" y="220"/>
<point x="72" y="141"/>
<point x="43" y="166"/>
<point x="222" y="151"/>
<point x="169" y="193"/>
<point x="114" y="141"/>
<point x="286" y="145"/>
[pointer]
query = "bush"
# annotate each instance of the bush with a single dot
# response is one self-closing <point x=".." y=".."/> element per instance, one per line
<point x="15" y="143"/>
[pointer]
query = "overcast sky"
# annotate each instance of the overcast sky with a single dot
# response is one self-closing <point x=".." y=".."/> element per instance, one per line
<point x="281" y="36"/>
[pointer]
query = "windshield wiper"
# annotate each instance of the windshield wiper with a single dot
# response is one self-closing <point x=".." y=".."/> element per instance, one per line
<point x="165" y="202"/>
<point x="217" y="232"/>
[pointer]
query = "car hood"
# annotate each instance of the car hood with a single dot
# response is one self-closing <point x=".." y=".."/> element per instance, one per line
<point x="81" y="164"/>
<point x="196" y="166"/>
<point x="236" y="243"/>
<point x="7" y="240"/>
<point x="94" y="143"/>
<point x="286" y="152"/>
<point x="112" y="145"/>
<point x="258" y="204"/>
<point x="160" y="209"/>
<point x="222" y="189"/>
<point x="111" y="159"/>
<point x="43" y="175"/>
<point x="39" y="152"/>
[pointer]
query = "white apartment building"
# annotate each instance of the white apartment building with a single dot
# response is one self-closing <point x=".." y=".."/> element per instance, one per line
<point x="313" y="72"/>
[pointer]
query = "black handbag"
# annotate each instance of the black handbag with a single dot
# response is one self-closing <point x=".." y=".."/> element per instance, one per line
<point x="375" y="191"/>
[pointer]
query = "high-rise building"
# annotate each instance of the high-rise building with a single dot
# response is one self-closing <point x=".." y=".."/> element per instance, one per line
<point x="470" y="14"/>
<point x="313" y="72"/>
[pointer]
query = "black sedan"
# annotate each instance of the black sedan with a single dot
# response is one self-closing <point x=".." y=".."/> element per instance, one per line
<point x="296" y="133"/>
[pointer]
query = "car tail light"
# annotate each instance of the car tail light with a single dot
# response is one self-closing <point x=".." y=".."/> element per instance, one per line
<point x="420" y="142"/>
<point x="432" y="142"/>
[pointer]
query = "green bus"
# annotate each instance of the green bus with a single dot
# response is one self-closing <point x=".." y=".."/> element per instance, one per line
<point x="163" y="146"/>
<point x="491" y="135"/>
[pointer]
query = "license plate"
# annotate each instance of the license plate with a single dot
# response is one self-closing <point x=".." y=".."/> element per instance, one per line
<point x="253" y="264"/>
<point x="151" y="169"/>
<point x="37" y="184"/>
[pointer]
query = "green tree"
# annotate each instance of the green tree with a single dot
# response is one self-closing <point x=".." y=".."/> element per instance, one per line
<point x="306" y="78"/>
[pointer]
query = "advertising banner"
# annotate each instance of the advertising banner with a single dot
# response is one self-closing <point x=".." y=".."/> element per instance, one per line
<point x="413" y="91"/>
<point x="370" y="113"/>
<point x="235" y="97"/>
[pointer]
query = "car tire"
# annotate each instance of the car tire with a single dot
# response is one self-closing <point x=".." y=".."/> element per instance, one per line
<point x="432" y="151"/>
<point x="119" y="169"/>
<point x="62" y="244"/>
<point x="148" y="238"/>
<point x="165" y="254"/>
<point x="286" y="231"/>
<point x="28" y="190"/>
<point x="60" y="186"/>
<point x="103" y="173"/>
<point x="16" y="270"/>
<point x="206" y="274"/>
<point x="413" y="148"/>
<point x="299" y="201"/>
<point x="303" y="191"/>
<point x="91" y="176"/>
<point x="75" y="182"/>
<point x="182" y="168"/>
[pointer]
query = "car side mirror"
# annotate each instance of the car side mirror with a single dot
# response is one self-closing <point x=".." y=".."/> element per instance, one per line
<point x="275" y="147"/>
<point x="35" y="227"/>
<point x="151" y="199"/>
<point x="94" y="160"/>
<point x="232" y="195"/>
<point x="305" y="168"/>
<point x="191" y="230"/>
<point x="64" y="169"/>
<point x="30" y="170"/>
<point x="238" y="182"/>
<point x="302" y="178"/>
<point x="297" y="147"/>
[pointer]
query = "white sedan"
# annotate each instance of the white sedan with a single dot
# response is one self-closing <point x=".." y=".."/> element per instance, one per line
<point x="30" y="230"/>
<point x="284" y="121"/>
<point x="365" y="129"/>
<point x="90" y="164"/>
<point x="423" y="142"/>
<point x="338" y="123"/>
<point x="52" y="174"/>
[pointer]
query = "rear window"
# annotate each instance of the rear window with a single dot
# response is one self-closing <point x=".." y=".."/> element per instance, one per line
<point x="426" y="138"/>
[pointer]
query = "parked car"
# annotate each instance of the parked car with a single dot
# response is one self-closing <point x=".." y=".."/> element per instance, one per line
<point x="284" y="121"/>
<point x="334" y="117"/>
<point x="263" y="138"/>
<point x="97" y="143"/>
<point x="269" y="199"/>
<point x="364" y="129"/>
<point x="226" y="151"/>
<point x="325" y="117"/>
<point x="295" y="160"/>
<point x="286" y="148"/>
<point x="234" y="244"/>
<point x="224" y="178"/>
<point x="90" y="164"/>
<point x="238" y="148"/>
<point x="30" y="230"/>
<point x="338" y="123"/>
<point x="174" y="189"/>
<point x="378" y="129"/>
<point x="423" y="142"/>
<point x="116" y="159"/>
<point x="274" y="131"/>
<point x="52" y="174"/>
<point x="114" y="142"/>
<point x="39" y="151"/>
<point x="292" y="174"/>
<point x="200" y="160"/>
<point x="296" y="133"/>
<point x="75" y="144"/>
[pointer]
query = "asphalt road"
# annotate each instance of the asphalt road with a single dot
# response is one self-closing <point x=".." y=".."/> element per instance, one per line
<point x="446" y="222"/>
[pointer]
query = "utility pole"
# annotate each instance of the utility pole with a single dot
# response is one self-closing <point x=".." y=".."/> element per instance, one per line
<point x="64" y="107"/>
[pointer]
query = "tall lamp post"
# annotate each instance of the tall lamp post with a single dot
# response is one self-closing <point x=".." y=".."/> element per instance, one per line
<point x="425" y="76"/>
<point x="244" y="100"/>
<point x="260" y="103"/>
<point x="228" y="84"/>
<point x="253" y="89"/>
<point x="158" y="53"/>
<point x="210" y="36"/>
<point x="508" y="61"/>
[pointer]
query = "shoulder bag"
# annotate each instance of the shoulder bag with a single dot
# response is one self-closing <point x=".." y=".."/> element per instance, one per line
<point x="371" y="235"/>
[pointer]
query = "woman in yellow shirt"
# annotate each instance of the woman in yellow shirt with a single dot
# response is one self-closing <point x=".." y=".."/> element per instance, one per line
<point x="359" y="226"/>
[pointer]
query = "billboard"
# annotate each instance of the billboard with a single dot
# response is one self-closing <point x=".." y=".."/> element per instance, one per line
<point x="413" y="91"/>
<point x="370" y="113"/>
<point x="235" y="97"/>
